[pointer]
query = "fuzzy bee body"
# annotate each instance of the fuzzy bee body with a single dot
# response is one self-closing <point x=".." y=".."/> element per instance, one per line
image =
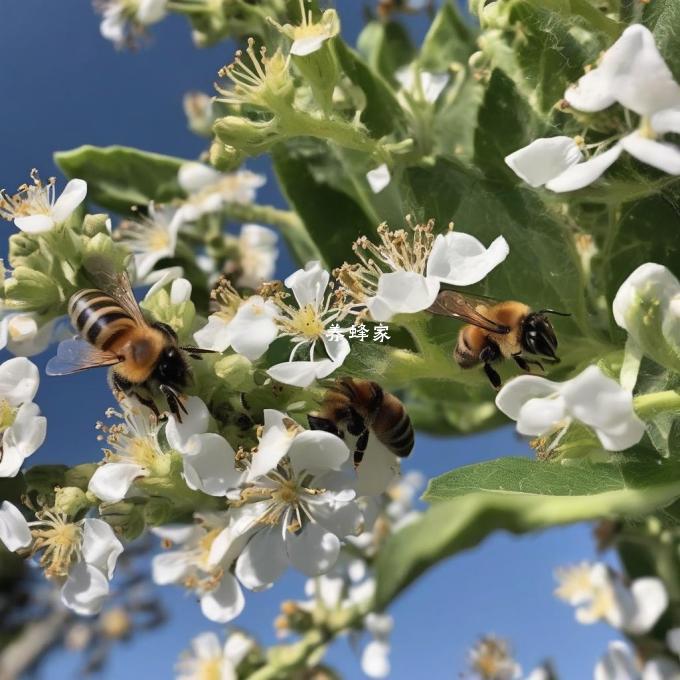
<point x="360" y="407"/>
<point x="145" y="358"/>
<point x="498" y="330"/>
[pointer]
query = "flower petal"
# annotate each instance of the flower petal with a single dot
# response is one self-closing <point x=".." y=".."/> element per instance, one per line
<point x="651" y="600"/>
<point x="101" y="548"/>
<point x="22" y="438"/>
<point x="19" y="379"/>
<point x="433" y="85"/>
<point x="215" y="335"/>
<point x="544" y="159"/>
<point x="85" y="589"/>
<point x="273" y="445"/>
<point x="583" y="174"/>
<point x="375" y="660"/>
<point x="193" y="177"/>
<point x="298" y="373"/>
<point x="666" y="121"/>
<point x="195" y="421"/>
<point x="112" y="481"/>
<point x="515" y="393"/>
<point x="402" y="292"/>
<point x="308" y="44"/>
<point x="661" y="668"/>
<point x="540" y="416"/>
<point x="170" y="567"/>
<point x="263" y="560"/>
<point x="180" y="291"/>
<point x="378" y="178"/>
<point x="342" y="519"/>
<point x="617" y="664"/>
<point x="593" y="92"/>
<point x="236" y="648"/>
<point x="151" y="11"/>
<point x="253" y="327"/>
<point x="34" y="224"/>
<point x="461" y="260"/>
<point x="309" y="284"/>
<point x="313" y="550"/>
<point x="14" y="530"/>
<point x="209" y="465"/>
<point x="661" y="155"/>
<point x="71" y="197"/>
<point x="379" y="468"/>
<point x="315" y="451"/>
<point x="224" y="603"/>
<point x="337" y="350"/>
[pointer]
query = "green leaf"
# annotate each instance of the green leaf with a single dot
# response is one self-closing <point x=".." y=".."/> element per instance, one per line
<point x="542" y="268"/>
<point x="386" y="47"/>
<point x="332" y="217"/>
<point x="448" y="40"/>
<point x="505" y="123"/>
<point x="382" y="114"/>
<point x="663" y="18"/>
<point x="520" y="496"/>
<point x="119" y="177"/>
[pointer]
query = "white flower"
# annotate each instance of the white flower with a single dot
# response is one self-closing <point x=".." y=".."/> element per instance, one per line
<point x="14" y="530"/>
<point x="209" y="189"/>
<point x="620" y="664"/>
<point x="22" y="428"/>
<point x="491" y="659"/>
<point x="416" y="267"/>
<point x="599" y="594"/>
<point x="258" y="252"/>
<point x="208" y="659"/>
<point x="208" y="459"/>
<point x="375" y="661"/>
<point x="306" y="325"/>
<point x="422" y="85"/>
<point x="542" y="407"/>
<point x="123" y="20"/>
<point x="34" y="210"/>
<point x="202" y="564"/>
<point x="656" y="285"/>
<point x="378" y="178"/>
<point x="302" y="505"/>
<point x="80" y="555"/>
<point x="133" y="453"/>
<point x="23" y="335"/>
<point x="634" y="74"/>
<point x="310" y="36"/>
<point x="151" y="238"/>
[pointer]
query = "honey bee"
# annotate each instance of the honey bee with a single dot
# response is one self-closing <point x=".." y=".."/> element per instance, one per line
<point x="359" y="407"/>
<point x="498" y="330"/>
<point x="145" y="357"/>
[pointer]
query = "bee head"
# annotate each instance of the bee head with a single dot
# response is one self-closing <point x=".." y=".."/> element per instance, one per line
<point x="172" y="368"/>
<point x="538" y="335"/>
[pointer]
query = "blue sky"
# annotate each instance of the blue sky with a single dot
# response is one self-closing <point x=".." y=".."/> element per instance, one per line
<point x="64" y="86"/>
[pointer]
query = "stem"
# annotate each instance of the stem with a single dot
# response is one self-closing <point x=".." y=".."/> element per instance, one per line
<point x="287" y="222"/>
<point x="647" y="406"/>
<point x="282" y="659"/>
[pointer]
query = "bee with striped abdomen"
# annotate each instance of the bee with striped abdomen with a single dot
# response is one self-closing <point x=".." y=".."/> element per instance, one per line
<point x="145" y="357"/>
<point x="497" y="330"/>
<point x="359" y="407"/>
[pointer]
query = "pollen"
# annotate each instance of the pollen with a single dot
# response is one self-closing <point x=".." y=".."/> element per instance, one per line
<point x="7" y="415"/>
<point x="59" y="540"/>
<point x="30" y="199"/>
<point x="225" y="299"/>
<point x="573" y="581"/>
<point x="307" y="323"/>
<point x="143" y="450"/>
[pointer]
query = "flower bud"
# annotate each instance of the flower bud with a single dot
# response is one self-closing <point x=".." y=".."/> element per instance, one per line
<point x="224" y="157"/>
<point x="70" y="500"/>
<point x="157" y="511"/>
<point x="96" y="224"/>
<point x="31" y="290"/>
<point x="647" y="305"/>
<point x="198" y="108"/>
<point x="251" y="137"/>
<point x="126" y="518"/>
<point x="236" y="371"/>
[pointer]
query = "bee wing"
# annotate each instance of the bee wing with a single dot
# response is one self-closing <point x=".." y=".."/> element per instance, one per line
<point x="463" y="307"/>
<point x="117" y="285"/>
<point x="77" y="355"/>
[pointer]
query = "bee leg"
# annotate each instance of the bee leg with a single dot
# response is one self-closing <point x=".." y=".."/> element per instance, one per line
<point x="356" y="425"/>
<point x="491" y="353"/>
<point x="360" y="447"/>
<point x="323" y="424"/>
<point x="524" y="364"/>
<point x="174" y="402"/>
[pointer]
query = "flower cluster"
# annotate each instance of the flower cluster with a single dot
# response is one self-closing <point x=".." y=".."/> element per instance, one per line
<point x="633" y="74"/>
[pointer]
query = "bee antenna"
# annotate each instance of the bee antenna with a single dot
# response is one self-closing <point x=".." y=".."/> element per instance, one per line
<point x="553" y="311"/>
